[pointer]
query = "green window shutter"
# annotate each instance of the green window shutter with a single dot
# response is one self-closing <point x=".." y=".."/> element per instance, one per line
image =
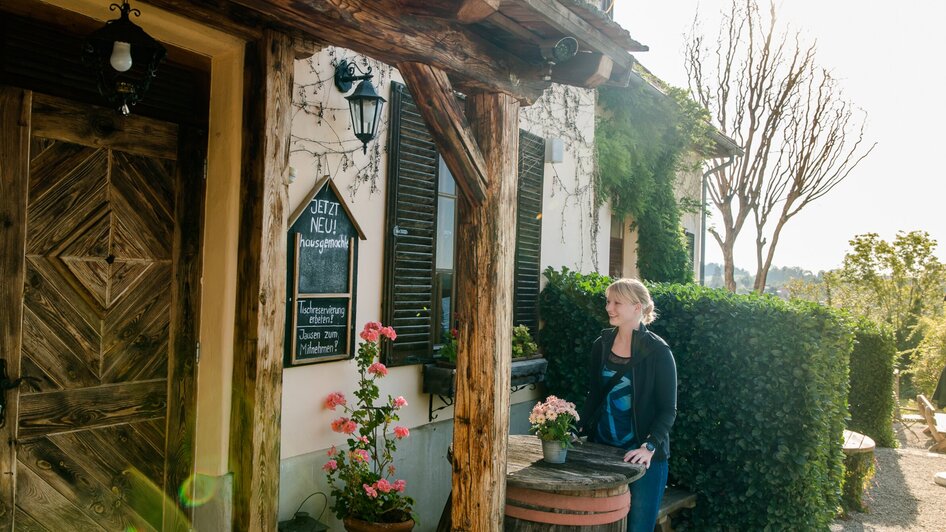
<point x="529" y="231"/>
<point x="411" y="232"/>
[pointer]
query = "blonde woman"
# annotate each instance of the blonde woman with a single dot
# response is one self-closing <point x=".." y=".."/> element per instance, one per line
<point x="632" y="401"/>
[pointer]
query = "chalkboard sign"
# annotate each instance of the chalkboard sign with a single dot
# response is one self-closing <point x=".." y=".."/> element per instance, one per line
<point x="322" y="256"/>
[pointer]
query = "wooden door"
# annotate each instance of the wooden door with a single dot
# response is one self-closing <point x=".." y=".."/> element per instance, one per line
<point x="100" y="277"/>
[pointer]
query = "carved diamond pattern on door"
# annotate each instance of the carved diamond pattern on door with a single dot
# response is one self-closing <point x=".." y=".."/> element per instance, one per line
<point x="96" y="327"/>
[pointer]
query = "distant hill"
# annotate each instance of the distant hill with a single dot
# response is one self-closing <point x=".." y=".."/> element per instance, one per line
<point x="777" y="279"/>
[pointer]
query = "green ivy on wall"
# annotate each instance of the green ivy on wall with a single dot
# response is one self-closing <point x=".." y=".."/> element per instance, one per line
<point x="642" y="138"/>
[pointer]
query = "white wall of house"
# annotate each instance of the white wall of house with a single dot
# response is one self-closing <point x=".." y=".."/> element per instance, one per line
<point x="689" y="185"/>
<point x="567" y="240"/>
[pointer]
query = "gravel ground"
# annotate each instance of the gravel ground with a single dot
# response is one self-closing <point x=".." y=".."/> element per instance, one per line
<point x="903" y="495"/>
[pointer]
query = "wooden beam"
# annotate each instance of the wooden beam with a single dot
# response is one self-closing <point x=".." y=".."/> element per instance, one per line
<point x="584" y="70"/>
<point x="380" y="29"/>
<point x="476" y="10"/>
<point x="438" y="104"/>
<point x="568" y="22"/>
<point x="14" y="182"/>
<point x="487" y="234"/>
<point x="219" y="14"/>
<point x="261" y="256"/>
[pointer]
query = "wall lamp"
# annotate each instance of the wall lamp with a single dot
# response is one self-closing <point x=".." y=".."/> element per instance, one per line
<point x="123" y="58"/>
<point x="365" y="104"/>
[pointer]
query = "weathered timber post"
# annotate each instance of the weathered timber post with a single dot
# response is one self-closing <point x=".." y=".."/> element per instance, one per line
<point x="485" y="285"/>
<point x="260" y="308"/>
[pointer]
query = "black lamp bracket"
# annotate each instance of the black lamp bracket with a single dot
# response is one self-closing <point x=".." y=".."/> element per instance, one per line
<point x="125" y="9"/>
<point x="345" y="75"/>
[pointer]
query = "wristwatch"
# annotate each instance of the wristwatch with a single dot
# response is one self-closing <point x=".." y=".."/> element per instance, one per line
<point x="649" y="446"/>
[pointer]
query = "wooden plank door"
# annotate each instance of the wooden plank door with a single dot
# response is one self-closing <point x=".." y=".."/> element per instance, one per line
<point x="100" y="276"/>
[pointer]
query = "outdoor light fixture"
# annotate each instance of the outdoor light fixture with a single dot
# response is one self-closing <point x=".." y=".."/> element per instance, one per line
<point x="365" y="104"/>
<point x="123" y="58"/>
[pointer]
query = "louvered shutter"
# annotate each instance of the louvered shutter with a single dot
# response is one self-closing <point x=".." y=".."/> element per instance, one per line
<point x="529" y="231"/>
<point x="412" y="234"/>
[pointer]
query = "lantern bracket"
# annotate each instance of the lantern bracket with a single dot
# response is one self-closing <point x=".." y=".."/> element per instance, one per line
<point x="345" y="75"/>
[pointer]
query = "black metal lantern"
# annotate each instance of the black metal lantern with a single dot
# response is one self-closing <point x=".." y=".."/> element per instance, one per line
<point x="123" y="58"/>
<point x="364" y="104"/>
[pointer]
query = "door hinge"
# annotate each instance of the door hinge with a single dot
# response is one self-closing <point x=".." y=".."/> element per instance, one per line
<point x="205" y="169"/>
<point x="198" y="353"/>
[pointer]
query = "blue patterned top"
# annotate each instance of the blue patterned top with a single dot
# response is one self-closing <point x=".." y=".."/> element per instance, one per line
<point x="616" y="424"/>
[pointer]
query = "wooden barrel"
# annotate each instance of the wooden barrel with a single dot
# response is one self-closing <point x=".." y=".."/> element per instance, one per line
<point x="600" y="509"/>
<point x="587" y="492"/>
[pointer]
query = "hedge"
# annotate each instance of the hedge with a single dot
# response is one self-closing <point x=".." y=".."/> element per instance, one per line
<point x="762" y="396"/>
<point x="871" y="396"/>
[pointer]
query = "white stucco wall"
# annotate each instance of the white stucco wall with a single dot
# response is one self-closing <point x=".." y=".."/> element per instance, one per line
<point x="567" y="240"/>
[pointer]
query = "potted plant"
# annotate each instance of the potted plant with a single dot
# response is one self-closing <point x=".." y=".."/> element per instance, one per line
<point x="523" y="347"/>
<point x="448" y="351"/>
<point x="553" y="421"/>
<point x="366" y="494"/>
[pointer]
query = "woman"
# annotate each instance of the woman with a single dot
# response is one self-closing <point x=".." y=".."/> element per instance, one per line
<point x="632" y="400"/>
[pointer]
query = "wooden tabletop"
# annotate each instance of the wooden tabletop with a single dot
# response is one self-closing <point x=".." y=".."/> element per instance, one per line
<point x="588" y="466"/>
<point x="855" y="442"/>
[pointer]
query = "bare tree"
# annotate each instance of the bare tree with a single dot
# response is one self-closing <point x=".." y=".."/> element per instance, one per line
<point x="799" y="137"/>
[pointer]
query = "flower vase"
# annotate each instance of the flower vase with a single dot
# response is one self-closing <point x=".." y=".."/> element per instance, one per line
<point x="554" y="451"/>
<point x="353" y="524"/>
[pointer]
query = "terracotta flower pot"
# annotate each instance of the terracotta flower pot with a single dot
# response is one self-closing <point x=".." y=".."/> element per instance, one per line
<point x="357" y="525"/>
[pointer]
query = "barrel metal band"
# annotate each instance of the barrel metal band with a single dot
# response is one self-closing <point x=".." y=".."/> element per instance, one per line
<point x="606" y="509"/>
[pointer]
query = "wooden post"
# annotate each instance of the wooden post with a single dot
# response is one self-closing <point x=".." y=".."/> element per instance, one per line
<point x="260" y="304"/>
<point x="14" y="181"/>
<point x="487" y="233"/>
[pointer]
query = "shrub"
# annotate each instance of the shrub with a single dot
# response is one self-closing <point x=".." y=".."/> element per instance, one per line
<point x="930" y="358"/>
<point x="871" y="396"/>
<point x="762" y="396"/>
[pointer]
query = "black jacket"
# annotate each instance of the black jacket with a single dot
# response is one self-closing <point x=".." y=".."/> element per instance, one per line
<point x="654" y="375"/>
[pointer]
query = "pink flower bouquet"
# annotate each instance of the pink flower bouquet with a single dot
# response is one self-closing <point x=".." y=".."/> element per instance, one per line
<point x="361" y="477"/>
<point x="554" y="420"/>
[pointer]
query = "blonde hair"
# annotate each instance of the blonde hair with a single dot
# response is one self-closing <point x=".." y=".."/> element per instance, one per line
<point x="633" y="291"/>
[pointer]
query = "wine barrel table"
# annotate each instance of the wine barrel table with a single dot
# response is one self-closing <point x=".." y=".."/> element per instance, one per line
<point x="587" y="492"/>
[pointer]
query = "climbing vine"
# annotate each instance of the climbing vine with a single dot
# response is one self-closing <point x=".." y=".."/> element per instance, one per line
<point x="316" y="99"/>
<point x="642" y="139"/>
<point x="561" y="113"/>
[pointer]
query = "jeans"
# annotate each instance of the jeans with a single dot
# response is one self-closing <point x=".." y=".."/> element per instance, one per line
<point x="646" y="493"/>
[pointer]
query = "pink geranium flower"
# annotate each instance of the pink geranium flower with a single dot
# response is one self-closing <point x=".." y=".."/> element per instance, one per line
<point x="384" y="486"/>
<point x="360" y="455"/>
<point x="378" y="369"/>
<point x="371" y="423"/>
<point x="344" y="425"/>
<point x="334" y="400"/>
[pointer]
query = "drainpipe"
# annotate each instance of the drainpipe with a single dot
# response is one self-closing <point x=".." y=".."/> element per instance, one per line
<point x="703" y="223"/>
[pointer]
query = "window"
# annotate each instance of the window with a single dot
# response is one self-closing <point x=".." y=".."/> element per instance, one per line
<point x="419" y="281"/>
<point x="616" y="262"/>
<point x="691" y="246"/>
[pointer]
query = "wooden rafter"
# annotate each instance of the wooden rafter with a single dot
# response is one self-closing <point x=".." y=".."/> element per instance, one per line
<point x="438" y="104"/>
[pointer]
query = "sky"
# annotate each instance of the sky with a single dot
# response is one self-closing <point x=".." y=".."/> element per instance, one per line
<point x="888" y="59"/>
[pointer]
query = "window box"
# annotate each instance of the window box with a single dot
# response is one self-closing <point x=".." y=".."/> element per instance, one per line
<point x="440" y="378"/>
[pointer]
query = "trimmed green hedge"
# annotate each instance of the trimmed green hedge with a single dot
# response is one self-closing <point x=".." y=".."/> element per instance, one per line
<point x="762" y="396"/>
<point x="871" y="396"/>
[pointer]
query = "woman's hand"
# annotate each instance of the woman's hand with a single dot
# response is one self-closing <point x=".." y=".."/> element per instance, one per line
<point x="639" y="456"/>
